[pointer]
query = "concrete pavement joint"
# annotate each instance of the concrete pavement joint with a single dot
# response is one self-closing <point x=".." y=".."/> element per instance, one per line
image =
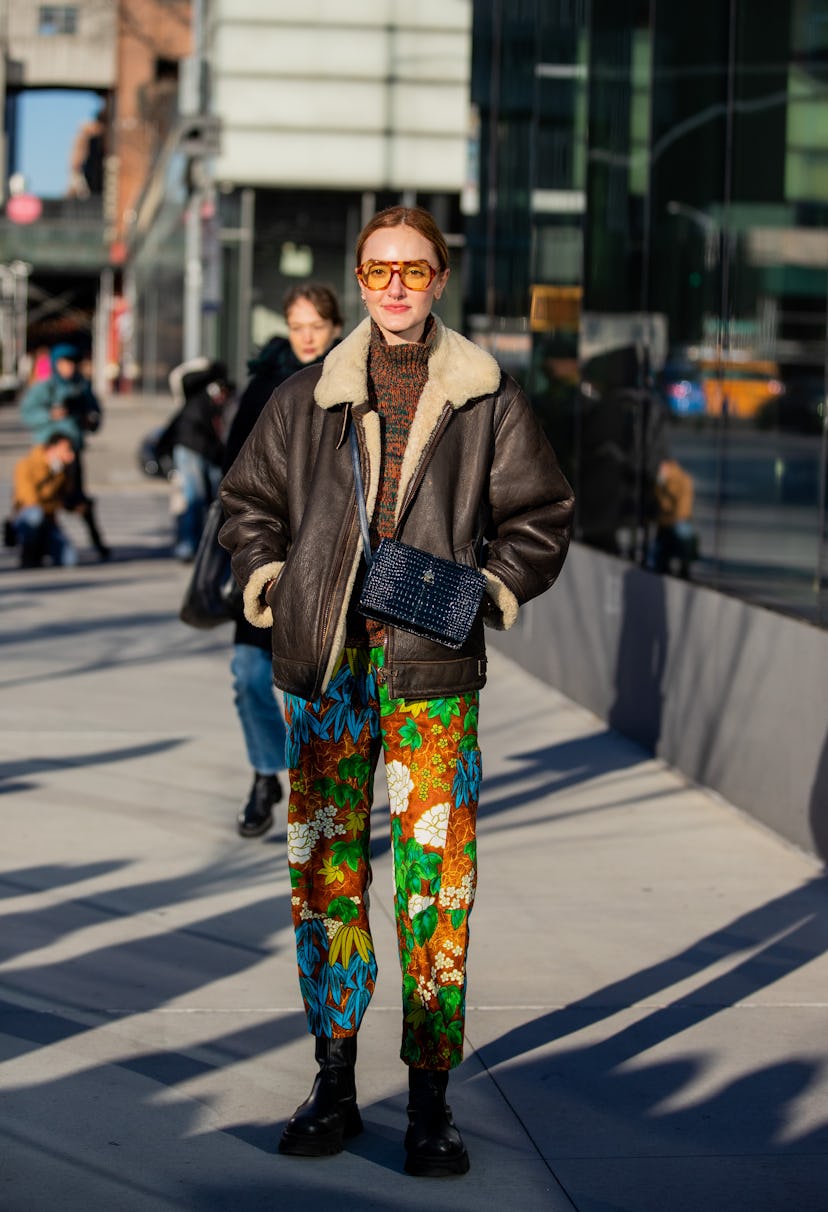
<point x="523" y="1125"/>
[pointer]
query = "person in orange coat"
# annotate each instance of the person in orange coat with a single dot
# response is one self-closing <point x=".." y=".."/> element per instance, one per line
<point x="675" y="537"/>
<point x="41" y="482"/>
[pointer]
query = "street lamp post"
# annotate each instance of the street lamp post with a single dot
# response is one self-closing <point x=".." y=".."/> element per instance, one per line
<point x="711" y="227"/>
<point x="198" y="179"/>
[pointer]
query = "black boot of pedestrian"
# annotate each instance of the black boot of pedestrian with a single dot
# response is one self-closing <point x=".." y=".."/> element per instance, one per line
<point x="256" y="817"/>
<point x="91" y="519"/>
<point x="329" y="1114"/>
<point x="433" y="1146"/>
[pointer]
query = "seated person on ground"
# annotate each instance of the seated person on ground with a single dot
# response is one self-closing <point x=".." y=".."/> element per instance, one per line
<point x="41" y="481"/>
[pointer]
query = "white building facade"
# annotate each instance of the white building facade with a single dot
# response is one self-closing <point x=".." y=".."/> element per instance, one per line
<point x="364" y="95"/>
<point x="326" y="113"/>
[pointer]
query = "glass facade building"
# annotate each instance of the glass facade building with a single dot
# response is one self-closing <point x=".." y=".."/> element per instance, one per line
<point x="649" y="254"/>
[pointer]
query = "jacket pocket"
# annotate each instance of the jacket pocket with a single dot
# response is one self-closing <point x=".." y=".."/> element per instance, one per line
<point x="466" y="555"/>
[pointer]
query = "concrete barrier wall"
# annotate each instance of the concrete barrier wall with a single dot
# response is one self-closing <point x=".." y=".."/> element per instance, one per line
<point x="733" y="695"/>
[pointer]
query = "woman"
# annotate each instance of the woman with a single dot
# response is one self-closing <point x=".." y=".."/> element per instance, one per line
<point x="453" y="461"/>
<point x="314" y="322"/>
<point x="195" y="437"/>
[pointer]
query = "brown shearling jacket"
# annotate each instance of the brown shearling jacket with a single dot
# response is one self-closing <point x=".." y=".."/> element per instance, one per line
<point x="479" y="484"/>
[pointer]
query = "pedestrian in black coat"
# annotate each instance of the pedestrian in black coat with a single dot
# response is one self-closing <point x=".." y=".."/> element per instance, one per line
<point x="314" y="323"/>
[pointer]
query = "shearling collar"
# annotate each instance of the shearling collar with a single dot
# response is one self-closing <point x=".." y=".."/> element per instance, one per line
<point x="458" y="371"/>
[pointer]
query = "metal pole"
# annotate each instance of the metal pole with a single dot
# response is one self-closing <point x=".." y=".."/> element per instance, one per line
<point x="247" y="218"/>
<point x="822" y="498"/>
<point x="7" y="326"/>
<point x="103" y="320"/>
<point x="493" y="164"/>
<point x="193" y="273"/>
<point x="22" y="310"/>
<point x="150" y="338"/>
<point x="192" y="278"/>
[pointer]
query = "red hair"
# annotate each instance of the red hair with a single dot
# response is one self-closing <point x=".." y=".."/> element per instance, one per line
<point x="407" y="216"/>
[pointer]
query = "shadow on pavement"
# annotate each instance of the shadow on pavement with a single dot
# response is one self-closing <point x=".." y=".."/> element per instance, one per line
<point x="632" y="1101"/>
<point x="23" y="769"/>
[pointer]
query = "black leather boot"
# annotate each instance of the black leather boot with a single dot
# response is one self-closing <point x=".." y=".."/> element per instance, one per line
<point x="329" y="1114"/>
<point x="433" y="1146"/>
<point x="256" y="816"/>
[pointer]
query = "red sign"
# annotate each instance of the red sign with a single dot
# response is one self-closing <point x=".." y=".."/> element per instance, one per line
<point x="23" y="208"/>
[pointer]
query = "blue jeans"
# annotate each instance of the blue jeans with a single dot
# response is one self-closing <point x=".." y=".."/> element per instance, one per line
<point x="39" y="535"/>
<point x="198" y="480"/>
<point x="261" y="716"/>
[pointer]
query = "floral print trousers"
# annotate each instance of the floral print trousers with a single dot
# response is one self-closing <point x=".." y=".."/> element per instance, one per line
<point x="432" y="763"/>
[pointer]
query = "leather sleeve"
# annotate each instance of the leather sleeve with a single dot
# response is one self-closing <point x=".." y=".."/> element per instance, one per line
<point x="531" y="501"/>
<point x="255" y="501"/>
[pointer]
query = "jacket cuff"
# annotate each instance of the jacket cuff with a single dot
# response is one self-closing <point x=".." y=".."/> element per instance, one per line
<point x="256" y="610"/>
<point x="504" y="605"/>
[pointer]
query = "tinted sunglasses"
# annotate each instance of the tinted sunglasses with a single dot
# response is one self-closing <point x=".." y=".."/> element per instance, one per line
<point x="414" y="275"/>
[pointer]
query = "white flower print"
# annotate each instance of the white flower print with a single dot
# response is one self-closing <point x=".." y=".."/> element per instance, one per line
<point x="427" y="990"/>
<point x="418" y="904"/>
<point x="324" y="823"/>
<point x="461" y="897"/>
<point x="400" y="786"/>
<point x="303" y="835"/>
<point x="300" y="839"/>
<point x="444" y="972"/>
<point x="432" y="827"/>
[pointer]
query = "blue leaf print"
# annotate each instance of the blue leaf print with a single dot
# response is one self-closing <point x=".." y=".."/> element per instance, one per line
<point x="357" y="719"/>
<point x="292" y="751"/>
<point x="307" y="987"/>
<point x="299" y="727"/>
<point x="319" y="1015"/>
<point x="359" y="973"/>
<point x="358" y="1004"/>
<point x="319" y="1020"/>
<point x="339" y="717"/>
<point x="307" y="952"/>
<point x="296" y="711"/>
<point x="323" y="982"/>
<point x="340" y="685"/>
<point x="373" y="723"/>
<point x="459" y="787"/>
<point x="344" y="1018"/>
<point x="336" y="975"/>
<point x="466" y="785"/>
<point x="319" y="727"/>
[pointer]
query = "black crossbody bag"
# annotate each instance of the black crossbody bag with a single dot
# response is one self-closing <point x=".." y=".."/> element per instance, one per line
<point x="212" y="595"/>
<point x="409" y="588"/>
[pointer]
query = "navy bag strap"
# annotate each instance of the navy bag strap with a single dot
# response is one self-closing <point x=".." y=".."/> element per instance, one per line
<point x="360" y="496"/>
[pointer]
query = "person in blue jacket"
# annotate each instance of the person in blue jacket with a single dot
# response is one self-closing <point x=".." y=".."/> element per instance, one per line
<point x="66" y="404"/>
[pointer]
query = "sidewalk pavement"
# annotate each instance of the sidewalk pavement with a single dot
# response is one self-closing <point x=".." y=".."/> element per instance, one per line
<point x="648" y="997"/>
